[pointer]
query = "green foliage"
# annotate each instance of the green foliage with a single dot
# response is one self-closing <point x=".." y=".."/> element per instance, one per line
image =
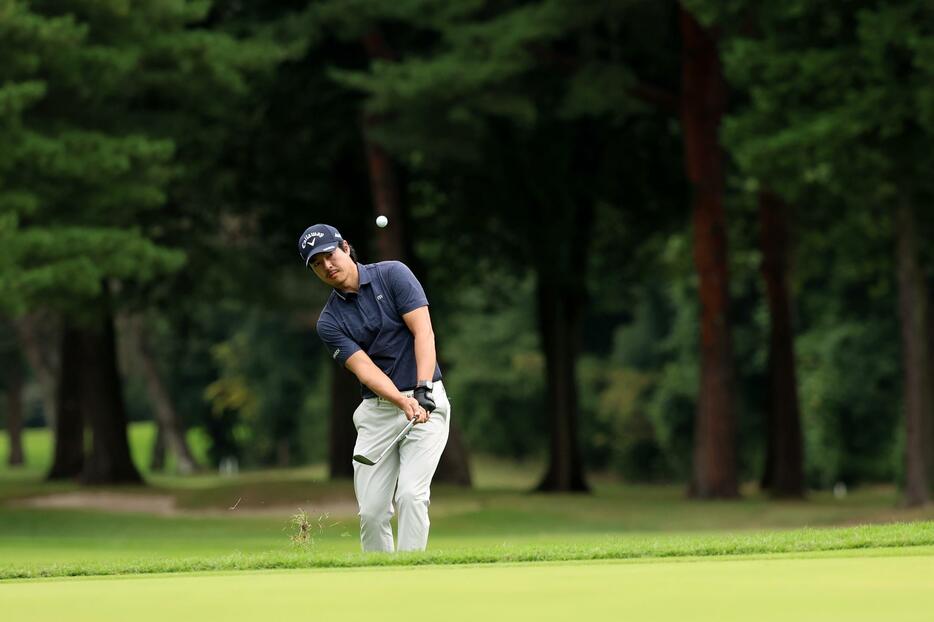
<point x="178" y="147"/>
<point x="106" y="114"/>
<point x="833" y="96"/>
<point x="76" y="175"/>
<point x="829" y="114"/>
<point x="512" y="119"/>
<point x="849" y="398"/>
<point x="641" y="412"/>
<point x="493" y="368"/>
<point x="277" y="414"/>
<point x="619" y="434"/>
<point x="8" y="268"/>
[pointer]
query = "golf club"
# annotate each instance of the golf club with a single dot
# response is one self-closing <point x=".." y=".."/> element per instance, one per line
<point x="405" y="432"/>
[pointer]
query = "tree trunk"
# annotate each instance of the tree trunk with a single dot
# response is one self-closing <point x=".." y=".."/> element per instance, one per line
<point x="109" y="461"/>
<point x="703" y="102"/>
<point x="14" y="414"/>
<point x="69" y="429"/>
<point x="169" y="423"/>
<point x="912" y="303"/>
<point x="784" y="472"/>
<point x="35" y="332"/>
<point x="454" y="467"/>
<point x="929" y="421"/>
<point x="559" y="315"/>
<point x="283" y="453"/>
<point x="345" y="396"/>
<point x="392" y="243"/>
<point x="157" y="459"/>
<point x="390" y="240"/>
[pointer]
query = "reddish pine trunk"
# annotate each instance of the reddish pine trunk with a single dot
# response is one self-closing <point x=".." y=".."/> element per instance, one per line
<point x="101" y="393"/>
<point x="454" y="467"/>
<point x="784" y="471"/>
<point x="560" y="311"/>
<point x="391" y="243"/>
<point x="383" y="185"/>
<point x="912" y="303"/>
<point x="702" y="106"/>
<point x="14" y="414"/>
<point x="69" y="418"/>
<point x="389" y="240"/>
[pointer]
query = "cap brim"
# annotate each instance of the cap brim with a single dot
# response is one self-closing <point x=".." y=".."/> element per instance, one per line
<point x="324" y="249"/>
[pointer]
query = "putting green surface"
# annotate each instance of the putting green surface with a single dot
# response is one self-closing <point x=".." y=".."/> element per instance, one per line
<point x="881" y="584"/>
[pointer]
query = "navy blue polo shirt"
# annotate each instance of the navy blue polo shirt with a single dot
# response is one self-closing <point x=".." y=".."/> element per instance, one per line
<point x="371" y="320"/>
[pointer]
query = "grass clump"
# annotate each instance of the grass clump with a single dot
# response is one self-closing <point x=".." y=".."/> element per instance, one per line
<point x="304" y="532"/>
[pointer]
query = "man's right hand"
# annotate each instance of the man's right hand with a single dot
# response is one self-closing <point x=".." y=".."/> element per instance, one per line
<point x="373" y="377"/>
<point x="413" y="409"/>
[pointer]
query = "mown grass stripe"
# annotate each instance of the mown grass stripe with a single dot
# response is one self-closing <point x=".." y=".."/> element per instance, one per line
<point x="635" y="547"/>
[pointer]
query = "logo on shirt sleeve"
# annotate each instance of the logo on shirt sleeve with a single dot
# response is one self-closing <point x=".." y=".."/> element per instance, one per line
<point x="336" y="352"/>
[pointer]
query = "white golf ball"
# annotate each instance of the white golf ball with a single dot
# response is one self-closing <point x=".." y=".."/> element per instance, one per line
<point x="381" y="221"/>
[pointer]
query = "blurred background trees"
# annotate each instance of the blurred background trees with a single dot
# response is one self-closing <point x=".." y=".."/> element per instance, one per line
<point x="674" y="241"/>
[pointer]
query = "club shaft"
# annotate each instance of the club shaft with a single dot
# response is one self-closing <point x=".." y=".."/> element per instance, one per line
<point x="401" y="435"/>
<point x="398" y="438"/>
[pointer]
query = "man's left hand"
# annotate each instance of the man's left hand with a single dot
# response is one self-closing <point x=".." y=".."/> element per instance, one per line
<point x="425" y="398"/>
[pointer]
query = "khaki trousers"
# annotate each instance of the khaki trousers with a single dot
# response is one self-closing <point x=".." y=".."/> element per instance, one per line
<point x="401" y="481"/>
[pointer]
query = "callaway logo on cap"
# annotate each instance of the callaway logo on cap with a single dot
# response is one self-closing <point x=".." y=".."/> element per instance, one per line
<point x="318" y="239"/>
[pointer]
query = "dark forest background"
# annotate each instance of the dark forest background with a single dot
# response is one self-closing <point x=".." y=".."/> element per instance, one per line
<point x="676" y="241"/>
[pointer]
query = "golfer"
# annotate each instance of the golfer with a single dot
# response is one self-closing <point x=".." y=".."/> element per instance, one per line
<point x="376" y="324"/>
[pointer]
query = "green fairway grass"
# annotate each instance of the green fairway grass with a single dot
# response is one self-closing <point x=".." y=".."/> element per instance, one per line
<point x="173" y="552"/>
<point x="872" y="586"/>
<point x="496" y="522"/>
<point x="483" y="525"/>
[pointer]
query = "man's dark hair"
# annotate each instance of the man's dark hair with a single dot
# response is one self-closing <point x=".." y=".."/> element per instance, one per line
<point x="351" y="251"/>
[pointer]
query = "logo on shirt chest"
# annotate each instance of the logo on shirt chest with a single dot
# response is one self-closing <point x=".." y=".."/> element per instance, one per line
<point x="379" y="297"/>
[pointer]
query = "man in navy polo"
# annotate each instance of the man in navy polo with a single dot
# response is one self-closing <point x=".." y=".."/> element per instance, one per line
<point x="376" y="324"/>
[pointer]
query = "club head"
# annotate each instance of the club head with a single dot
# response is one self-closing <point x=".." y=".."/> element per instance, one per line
<point x="363" y="460"/>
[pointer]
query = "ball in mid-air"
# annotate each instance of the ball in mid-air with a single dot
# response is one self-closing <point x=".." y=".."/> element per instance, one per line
<point x="381" y="221"/>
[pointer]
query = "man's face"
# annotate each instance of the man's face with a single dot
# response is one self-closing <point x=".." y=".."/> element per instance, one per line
<point x="334" y="268"/>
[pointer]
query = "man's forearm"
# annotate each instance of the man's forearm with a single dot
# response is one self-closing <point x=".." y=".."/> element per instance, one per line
<point x="425" y="360"/>
<point x="380" y="384"/>
<point x="373" y="377"/>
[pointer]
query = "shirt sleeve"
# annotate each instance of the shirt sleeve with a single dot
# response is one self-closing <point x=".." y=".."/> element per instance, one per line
<point x="406" y="290"/>
<point x="340" y="346"/>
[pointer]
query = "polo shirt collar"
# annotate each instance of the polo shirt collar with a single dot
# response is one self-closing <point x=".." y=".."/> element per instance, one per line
<point x="363" y="273"/>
